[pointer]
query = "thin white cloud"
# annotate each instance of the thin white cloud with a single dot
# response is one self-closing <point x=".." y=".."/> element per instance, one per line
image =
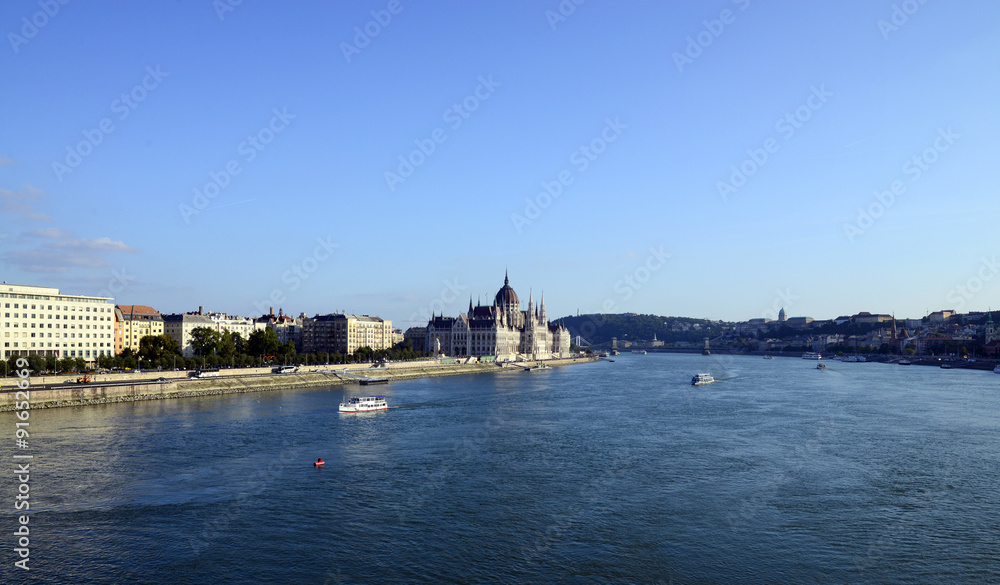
<point x="46" y="260"/>
<point x="99" y="244"/>
<point x="60" y="251"/>
<point x="4" y="160"/>
<point x="20" y="203"/>
<point x="52" y="232"/>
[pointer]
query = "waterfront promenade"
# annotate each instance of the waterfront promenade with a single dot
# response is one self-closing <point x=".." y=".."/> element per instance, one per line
<point x="62" y="390"/>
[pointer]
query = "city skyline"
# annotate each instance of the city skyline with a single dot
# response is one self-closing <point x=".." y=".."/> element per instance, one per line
<point x="437" y="309"/>
<point x="392" y="158"/>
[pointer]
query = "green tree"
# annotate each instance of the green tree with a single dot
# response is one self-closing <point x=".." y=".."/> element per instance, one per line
<point x="106" y="361"/>
<point x="156" y="349"/>
<point x="128" y="362"/>
<point x="12" y="366"/>
<point x="287" y="352"/>
<point x="228" y="345"/>
<point x="36" y="363"/>
<point x="205" y="341"/>
<point x="263" y="342"/>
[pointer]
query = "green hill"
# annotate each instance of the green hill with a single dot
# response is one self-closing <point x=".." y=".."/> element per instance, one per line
<point x="599" y="328"/>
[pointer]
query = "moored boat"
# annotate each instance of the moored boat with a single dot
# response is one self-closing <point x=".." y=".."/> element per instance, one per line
<point x="811" y="355"/>
<point x="768" y="357"/>
<point x="702" y="379"/>
<point x="996" y="370"/>
<point x="541" y="366"/>
<point x="364" y="404"/>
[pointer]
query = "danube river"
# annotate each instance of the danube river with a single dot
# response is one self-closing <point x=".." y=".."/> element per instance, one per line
<point x="598" y="473"/>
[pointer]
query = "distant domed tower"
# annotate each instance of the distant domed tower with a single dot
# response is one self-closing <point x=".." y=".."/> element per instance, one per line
<point x="506" y="297"/>
<point x="781" y="315"/>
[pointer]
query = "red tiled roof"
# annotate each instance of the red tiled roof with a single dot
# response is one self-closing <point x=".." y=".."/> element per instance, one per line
<point x="137" y="310"/>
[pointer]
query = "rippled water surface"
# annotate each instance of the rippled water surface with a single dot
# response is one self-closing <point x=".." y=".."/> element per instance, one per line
<point x="600" y="473"/>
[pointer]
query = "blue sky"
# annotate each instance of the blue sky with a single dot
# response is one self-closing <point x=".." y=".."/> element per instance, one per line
<point x="118" y="120"/>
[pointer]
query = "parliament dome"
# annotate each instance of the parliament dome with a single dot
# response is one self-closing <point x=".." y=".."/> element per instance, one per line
<point x="506" y="295"/>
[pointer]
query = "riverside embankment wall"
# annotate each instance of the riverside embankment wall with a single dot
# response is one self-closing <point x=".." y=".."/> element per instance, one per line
<point x="119" y="388"/>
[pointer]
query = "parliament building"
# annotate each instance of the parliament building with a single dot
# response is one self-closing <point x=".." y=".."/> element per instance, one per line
<point x="502" y="331"/>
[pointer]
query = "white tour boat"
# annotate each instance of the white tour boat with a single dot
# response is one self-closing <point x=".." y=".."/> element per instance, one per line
<point x="702" y="379"/>
<point x="364" y="404"/>
<point x="811" y="355"/>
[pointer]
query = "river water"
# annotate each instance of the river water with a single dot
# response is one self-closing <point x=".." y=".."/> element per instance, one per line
<point x="599" y="473"/>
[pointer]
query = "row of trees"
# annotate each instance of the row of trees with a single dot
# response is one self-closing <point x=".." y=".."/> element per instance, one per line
<point x="214" y="349"/>
<point x="44" y="363"/>
<point x="220" y="348"/>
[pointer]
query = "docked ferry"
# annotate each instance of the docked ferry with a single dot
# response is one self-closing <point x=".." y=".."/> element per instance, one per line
<point x="364" y="404"/>
<point x="702" y="379"/>
<point x="811" y="355"/>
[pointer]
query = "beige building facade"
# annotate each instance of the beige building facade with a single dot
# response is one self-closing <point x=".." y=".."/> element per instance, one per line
<point x="345" y="333"/>
<point x="179" y="327"/>
<point x="137" y="321"/>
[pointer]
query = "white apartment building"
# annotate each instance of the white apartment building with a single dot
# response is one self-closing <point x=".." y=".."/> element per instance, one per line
<point x="244" y="326"/>
<point x="38" y="320"/>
